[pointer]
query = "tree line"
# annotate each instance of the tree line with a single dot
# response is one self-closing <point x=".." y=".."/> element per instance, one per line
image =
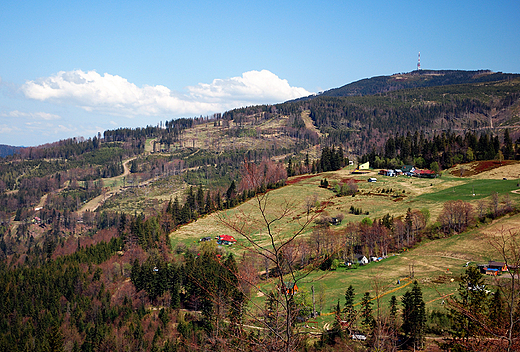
<point x="445" y="149"/>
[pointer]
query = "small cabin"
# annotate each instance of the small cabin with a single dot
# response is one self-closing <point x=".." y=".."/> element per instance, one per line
<point x="364" y="166"/>
<point x="226" y="240"/>
<point x="372" y="179"/>
<point x="290" y="288"/>
<point x="361" y="259"/>
<point x="335" y="221"/>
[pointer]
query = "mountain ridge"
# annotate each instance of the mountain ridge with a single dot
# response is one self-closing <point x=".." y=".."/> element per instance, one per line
<point x="6" y="150"/>
<point x="414" y="79"/>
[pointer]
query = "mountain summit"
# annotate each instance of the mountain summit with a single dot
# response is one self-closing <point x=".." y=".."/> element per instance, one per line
<point x="416" y="79"/>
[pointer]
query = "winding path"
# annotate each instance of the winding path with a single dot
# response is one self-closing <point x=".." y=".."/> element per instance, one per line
<point x="93" y="204"/>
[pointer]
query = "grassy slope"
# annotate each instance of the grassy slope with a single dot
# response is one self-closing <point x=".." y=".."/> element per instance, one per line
<point x="418" y="194"/>
<point x="431" y="259"/>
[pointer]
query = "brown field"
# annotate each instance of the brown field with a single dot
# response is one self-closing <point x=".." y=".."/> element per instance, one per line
<point x="489" y="169"/>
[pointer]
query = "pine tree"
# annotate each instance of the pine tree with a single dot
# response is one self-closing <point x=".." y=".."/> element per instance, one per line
<point x="508" y="150"/>
<point x="367" y="320"/>
<point x="469" y="304"/>
<point x="350" y="312"/>
<point x="414" y="316"/>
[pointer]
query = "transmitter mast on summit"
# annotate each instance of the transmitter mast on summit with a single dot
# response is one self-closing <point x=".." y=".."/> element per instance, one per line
<point x="419" y="62"/>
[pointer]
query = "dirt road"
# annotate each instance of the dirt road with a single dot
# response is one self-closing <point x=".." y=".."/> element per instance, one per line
<point x="93" y="204"/>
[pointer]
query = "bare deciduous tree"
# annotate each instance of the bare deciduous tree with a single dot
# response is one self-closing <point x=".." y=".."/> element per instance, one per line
<point x="456" y="216"/>
<point x="273" y="245"/>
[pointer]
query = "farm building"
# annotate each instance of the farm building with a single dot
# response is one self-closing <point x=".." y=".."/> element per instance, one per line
<point x="493" y="268"/>
<point x="391" y="173"/>
<point x="424" y="174"/>
<point x="361" y="259"/>
<point x="226" y="239"/>
<point x="407" y="168"/>
<point x="372" y="179"/>
<point x="364" y="166"/>
<point x="290" y="287"/>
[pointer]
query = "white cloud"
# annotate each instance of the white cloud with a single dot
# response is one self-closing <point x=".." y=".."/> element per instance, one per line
<point x="254" y="86"/>
<point x="7" y="129"/>
<point x="37" y="115"/>
<point x="114" y="95"/>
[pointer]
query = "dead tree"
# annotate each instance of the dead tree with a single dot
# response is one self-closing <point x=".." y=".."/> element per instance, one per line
<point x="273" y="246"/>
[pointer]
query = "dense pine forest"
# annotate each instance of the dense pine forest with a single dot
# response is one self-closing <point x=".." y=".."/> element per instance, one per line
<point x="107" y="278"/>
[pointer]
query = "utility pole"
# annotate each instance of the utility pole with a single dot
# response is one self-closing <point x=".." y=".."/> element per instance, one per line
<point x="313" y="303"/>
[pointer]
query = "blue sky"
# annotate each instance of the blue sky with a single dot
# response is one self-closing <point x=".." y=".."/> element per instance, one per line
<point x="70" y="68"/>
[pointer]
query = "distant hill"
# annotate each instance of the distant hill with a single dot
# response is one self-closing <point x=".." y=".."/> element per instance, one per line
<point x="6" y="150"/>
<point x="416" y="79"/>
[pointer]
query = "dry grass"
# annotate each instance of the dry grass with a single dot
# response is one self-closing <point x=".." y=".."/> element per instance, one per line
<point x="256" y="136"/>
<point x="487" y="169"/>
<point x="436" y="264"/>
<point x="306" y="117"/>
<point x="371" y="198"/>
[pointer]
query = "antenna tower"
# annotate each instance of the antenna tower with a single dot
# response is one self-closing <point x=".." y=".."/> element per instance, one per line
<point x="419" y="62"/>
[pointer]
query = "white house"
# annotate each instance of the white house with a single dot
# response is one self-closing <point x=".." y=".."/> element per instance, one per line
<point x="361" y="259"/>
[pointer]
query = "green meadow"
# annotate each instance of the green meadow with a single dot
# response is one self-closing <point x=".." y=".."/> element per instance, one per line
<point x="435" y="264"/>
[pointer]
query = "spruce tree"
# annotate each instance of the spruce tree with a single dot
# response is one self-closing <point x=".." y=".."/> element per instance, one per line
<point x="508" y="146"/>
<point x="392" y="323"/>
<point x="367" y="320"/>
<point x="200" y="200"/>
<point x="414" y="316"/>
<point x="350" y="312"/>
<point x="470" y="303"/>
<point x="208" y="208"/>
<point x="336" y="332"/>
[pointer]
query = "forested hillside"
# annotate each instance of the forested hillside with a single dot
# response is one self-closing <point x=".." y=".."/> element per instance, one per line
<point x="92" y="257"/>
<point x="6" y="150"/>
<point x="416" y="79"/>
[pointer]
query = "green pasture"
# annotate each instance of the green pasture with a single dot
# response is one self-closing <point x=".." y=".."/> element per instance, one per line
<point x="437" y="266"/>
<point x="389" y="195"/>
<point x="471" y="189"/>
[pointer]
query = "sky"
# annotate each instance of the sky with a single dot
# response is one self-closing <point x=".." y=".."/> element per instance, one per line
<point x="76" y="68"/>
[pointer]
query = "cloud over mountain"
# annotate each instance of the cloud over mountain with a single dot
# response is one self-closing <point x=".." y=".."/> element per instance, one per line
<point x="112" y="94"/>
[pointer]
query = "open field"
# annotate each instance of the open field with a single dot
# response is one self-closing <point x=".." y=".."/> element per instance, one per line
<point x="436" y="264"/>
<point x="390" y="195"/>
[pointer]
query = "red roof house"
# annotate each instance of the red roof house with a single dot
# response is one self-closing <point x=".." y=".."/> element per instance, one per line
<point x="226" y="239"/>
